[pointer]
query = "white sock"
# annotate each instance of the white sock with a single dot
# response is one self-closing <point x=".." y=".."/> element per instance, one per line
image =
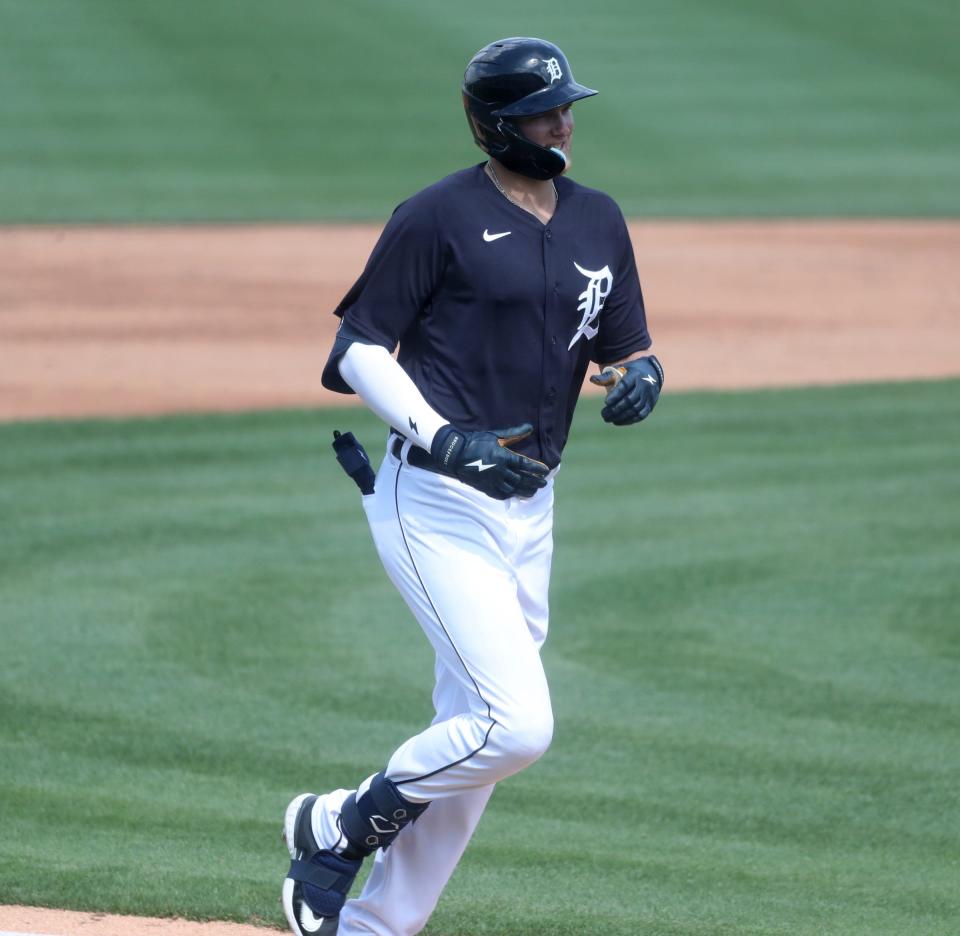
<point x="365" y="786"/>
<point x="325" y="820"/>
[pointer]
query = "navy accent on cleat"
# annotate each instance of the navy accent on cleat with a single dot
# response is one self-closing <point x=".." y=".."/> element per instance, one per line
<point x="316" y="886"/>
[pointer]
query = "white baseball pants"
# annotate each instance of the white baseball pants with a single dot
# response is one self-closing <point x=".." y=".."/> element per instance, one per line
<point x="475" y="572"/>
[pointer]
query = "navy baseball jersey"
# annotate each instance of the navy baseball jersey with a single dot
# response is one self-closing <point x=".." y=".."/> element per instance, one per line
<point x="496" y="314"/>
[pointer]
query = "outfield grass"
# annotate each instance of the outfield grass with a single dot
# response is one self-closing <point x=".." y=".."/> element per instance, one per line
<point x="238" y="110"/>
<point x="754" y="656"/>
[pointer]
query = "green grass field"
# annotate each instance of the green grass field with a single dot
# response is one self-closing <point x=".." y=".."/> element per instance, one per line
<point x="754" y="656"/>
<point x="131" y="110"/>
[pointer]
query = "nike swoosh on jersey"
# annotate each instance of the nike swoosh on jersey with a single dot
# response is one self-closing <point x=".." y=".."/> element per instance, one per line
<point x="479" y="465"/>
<point x="487" y="236"/>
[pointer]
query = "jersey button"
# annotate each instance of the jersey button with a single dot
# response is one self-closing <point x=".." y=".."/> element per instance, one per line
<point x="548" y="235"/>
<point x="551" y="394"/>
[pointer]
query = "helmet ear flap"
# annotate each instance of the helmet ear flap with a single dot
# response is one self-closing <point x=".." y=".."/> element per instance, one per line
<point x="521" y="140"/>
<point x="526" y="157"/>
<point x="484" y="127"/>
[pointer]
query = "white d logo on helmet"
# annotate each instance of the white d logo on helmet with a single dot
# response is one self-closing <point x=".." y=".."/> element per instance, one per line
<point x="553" y="69"/>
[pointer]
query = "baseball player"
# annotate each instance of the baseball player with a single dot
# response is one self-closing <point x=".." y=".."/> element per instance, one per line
<point x="500" y="284"/>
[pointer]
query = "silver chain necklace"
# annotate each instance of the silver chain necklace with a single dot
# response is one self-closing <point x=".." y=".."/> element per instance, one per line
<point x="496" y="181"/>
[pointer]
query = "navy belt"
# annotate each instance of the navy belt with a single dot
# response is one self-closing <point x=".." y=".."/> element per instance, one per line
<point x="416" y="456"/>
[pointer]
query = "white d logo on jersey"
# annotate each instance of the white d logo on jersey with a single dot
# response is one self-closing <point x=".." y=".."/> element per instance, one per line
<point x="591" y="301"/>
<point x="553" y="69"/>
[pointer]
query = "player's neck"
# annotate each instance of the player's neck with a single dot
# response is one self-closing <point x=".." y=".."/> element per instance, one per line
<point x="539" y="197"/>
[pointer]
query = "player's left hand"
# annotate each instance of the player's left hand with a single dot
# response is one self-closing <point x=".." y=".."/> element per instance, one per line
<point x="633" y="389"/>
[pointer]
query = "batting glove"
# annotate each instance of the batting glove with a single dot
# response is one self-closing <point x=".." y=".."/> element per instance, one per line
<point x="632" y="390"/>
<point x="483" y="460"/>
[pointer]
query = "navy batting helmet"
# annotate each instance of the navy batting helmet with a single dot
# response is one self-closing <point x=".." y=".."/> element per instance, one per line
<point x="518" y="77"/>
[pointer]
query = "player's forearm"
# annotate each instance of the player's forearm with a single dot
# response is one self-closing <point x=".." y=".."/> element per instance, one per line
<point x="385" y="387"/>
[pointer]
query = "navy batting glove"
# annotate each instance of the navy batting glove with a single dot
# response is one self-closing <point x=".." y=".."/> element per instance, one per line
<point x="632" y="390"/>
<point x="483" y="460"/>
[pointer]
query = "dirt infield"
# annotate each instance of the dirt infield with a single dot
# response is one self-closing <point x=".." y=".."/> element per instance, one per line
<point x="121" y="321"/>
<point x="36" y="921"/>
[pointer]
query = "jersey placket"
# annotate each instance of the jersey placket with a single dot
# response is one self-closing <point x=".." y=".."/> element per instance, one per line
<point x="548" y="371"/>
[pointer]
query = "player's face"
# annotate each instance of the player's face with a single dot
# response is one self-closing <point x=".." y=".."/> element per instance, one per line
<point x="554" y="128"/>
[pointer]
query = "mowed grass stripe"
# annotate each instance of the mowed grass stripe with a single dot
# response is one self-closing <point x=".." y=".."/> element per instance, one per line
<point x="754" y="660"/>
<point x="236" y="110"/>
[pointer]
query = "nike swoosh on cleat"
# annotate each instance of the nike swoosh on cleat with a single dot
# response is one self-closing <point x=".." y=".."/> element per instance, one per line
<point x="487" y="236"/>
<point x="309" y="922"/>
<point x="479" y="465"/>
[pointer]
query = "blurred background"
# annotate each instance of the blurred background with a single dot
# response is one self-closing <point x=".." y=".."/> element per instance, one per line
<point x="808" y="118"/>
<point x="236" y="110"/>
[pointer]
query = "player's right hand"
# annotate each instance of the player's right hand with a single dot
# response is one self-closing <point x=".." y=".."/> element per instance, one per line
<point x="484" y="461"/>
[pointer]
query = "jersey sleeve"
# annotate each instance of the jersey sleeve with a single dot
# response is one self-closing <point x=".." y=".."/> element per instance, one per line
<point x="623" y="322"/>
<point x="395" y="287"/>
